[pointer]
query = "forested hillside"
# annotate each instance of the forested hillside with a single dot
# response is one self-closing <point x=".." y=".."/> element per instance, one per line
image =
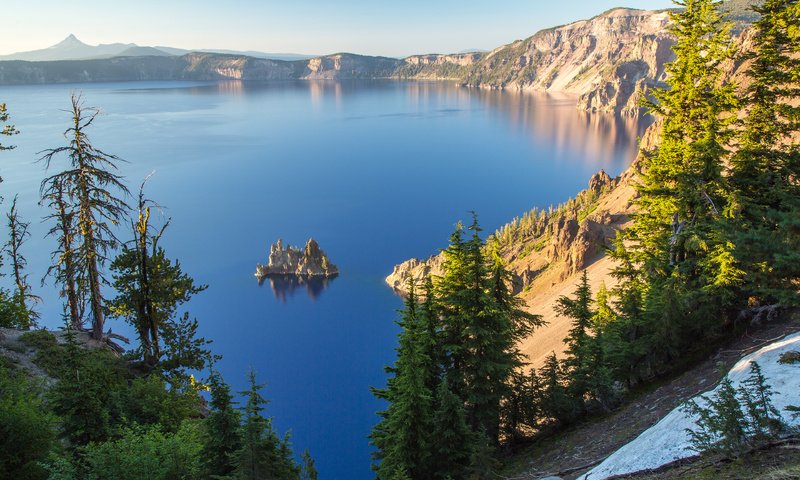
<point x="710" y="245"/>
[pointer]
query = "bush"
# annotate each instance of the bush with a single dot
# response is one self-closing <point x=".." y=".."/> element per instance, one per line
<point x="39" y="339"/>
<point x="734" y="421"/>
<point x="26" y="429"/>
<point x="149" y="401"/>
<point x="148" y="452"/>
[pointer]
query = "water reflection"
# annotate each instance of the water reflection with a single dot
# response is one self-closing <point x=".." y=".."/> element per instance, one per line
<point x="285" y="286"/>
<point x="554" y="119"/>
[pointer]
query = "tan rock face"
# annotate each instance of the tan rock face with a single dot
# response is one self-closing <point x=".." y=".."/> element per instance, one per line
<point x="311" y="261"/>
<point x="610" y="60"/>
<point x="561" y="242"/>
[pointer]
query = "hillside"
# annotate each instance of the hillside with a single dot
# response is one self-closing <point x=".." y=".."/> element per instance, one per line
<point x="575" y="451"/>
<point x="609" y="62"/>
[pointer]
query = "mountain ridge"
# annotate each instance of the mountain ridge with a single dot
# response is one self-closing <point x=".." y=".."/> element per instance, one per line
<point x="609" y="62"/>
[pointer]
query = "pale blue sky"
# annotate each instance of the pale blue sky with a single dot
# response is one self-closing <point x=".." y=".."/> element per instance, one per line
<point x="374" y="27"/>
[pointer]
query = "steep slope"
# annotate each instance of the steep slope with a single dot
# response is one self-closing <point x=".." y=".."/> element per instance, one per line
<point x="668" y="440"/>
<point x="545" y="249"/>
<point x="610" y="61"/>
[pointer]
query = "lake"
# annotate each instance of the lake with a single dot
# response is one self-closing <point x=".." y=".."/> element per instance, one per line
<point x="377" y="172"/>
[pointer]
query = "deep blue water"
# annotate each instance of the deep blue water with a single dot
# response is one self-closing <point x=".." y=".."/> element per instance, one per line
<point x="377" y="172"/>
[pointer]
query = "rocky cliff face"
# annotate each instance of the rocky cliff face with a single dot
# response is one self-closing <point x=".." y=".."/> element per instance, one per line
<point x="561" y="241"/>
<point x="196" y="66"/>
<point x="609" y="61"/>
<point x="311" y="261"/>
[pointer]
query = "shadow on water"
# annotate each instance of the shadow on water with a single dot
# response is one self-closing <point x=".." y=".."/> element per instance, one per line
<point x="286" y="286"/>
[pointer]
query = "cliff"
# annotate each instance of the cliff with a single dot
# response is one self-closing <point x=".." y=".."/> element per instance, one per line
<point x="610" y="61"/>
<point x="311" y="261"/>
<point x="195" y="66"/>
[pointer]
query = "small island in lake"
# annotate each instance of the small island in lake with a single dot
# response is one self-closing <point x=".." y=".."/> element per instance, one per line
<point x="310" y="261"/>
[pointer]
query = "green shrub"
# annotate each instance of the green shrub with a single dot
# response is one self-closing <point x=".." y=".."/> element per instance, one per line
<point x="734" y="421"/>
<point x="146" y="452"/>
<point x="39" y="339"/>
<point x="26" y="429"/>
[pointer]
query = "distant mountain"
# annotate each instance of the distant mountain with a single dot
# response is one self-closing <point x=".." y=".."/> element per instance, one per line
<point x="289" y="57"/>
<point x="73" y="49"/>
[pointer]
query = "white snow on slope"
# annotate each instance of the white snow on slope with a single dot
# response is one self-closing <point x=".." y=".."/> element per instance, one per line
<point x="668" y="441"/>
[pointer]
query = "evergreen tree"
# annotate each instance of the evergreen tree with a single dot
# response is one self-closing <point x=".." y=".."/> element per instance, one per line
<point x="481" y="323"/>
<point x="403" y="436"/>
<point x="84" y="394"/>
<point x="556" y="403"/>
<point x="627" y="340"/>
<point x="763" y="419"/>
<point x="263" y="455"/>
<point x="18" y="234"/>
<point x="223" y="436"/>
<point x="429" y="318"/>
<point x="309" y="471"/>
<point x="150" y="287"/>
<point x="686" y="273"/>
<point x="579" y="341"/>
<point x="604" y="314"/>
<point x="764" y="171"/>
<point x="455" y="443"/>
<point x="93" y="186"/>
<point x="450" y="291"/>
<point x="66" y="269"/>
<point x="26" y="427"/>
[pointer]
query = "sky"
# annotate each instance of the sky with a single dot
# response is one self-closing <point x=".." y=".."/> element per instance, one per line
<point x="373" y="27"/>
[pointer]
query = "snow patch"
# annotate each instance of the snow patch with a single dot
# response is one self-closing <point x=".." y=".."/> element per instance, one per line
<point x="668" y="441"/>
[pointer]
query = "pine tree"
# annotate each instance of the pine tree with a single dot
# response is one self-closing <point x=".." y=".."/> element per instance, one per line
<point x="764" y="170"/>
<point x="223" y="436"/>
<point x="556" y="403"/>
<point x="451" y="290"/>
<point x="94" y="187"/>
<point x="66" y="269"/>
<point x="309" y="471"/>
<point x="687" y="274"/>
<point x="150" y="286"/>
<point x="403" y="437"/>
<point x="429" y="318"/>
<point x="84" y="394"/>
<point x="455" y="443"/>
<point x="579" y="341"/>
<point x="18" y="234"/>
<point x="263" y="455"/>
<point x="763" y="419"/>
<point x="604" y="314"/>
<point x="627" y="341"/>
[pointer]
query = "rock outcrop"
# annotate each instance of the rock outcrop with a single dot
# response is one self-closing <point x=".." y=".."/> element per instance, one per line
<point x="564" y="240"/>
<point x="610" y="61"/>
<point x="311" y="261"/>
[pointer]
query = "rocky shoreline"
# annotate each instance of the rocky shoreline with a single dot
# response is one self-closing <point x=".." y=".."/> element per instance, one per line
<point x="309" y="261"/>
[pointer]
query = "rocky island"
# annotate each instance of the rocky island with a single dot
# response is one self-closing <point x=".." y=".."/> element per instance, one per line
<point x="310" y="261"/>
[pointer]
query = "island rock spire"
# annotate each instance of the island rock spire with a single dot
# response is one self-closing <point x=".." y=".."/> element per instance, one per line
<point x="310" y="261"/>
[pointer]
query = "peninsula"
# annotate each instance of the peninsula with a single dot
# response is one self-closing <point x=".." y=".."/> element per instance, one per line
<point x="310" y="261"/>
